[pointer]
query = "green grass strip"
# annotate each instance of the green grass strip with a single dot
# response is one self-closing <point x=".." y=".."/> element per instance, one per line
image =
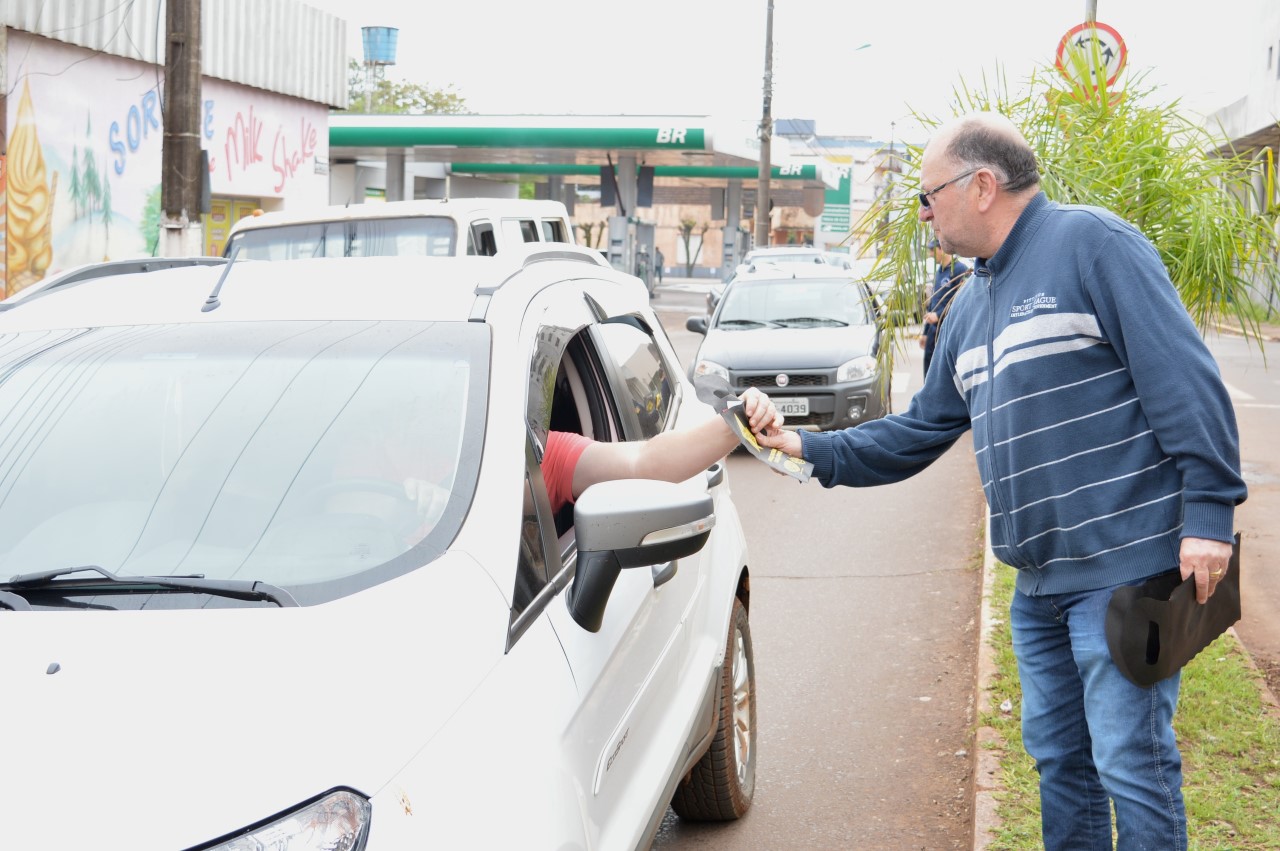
<point x="1229" y="738"/>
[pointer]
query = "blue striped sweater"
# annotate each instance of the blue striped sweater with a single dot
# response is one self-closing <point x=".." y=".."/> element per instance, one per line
<point x="1101" y="427"/>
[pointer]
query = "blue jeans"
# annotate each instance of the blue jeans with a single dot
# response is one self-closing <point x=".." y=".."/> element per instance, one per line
<point x="1093" y="734"/>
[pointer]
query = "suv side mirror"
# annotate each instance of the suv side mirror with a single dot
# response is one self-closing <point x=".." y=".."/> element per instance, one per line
<point x="696" y="324"/>
<point x="631" y="523"/>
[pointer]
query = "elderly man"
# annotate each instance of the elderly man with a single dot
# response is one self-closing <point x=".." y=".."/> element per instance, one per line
<point x="1102" y="465"/>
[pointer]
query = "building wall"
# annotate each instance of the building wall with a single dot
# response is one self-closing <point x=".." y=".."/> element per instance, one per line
<point x="252" y="42"/>
<point x="1264" y="81"/>
<point x="83" y="134"/>
<point x="1252" y="124"/>
<point x="1252" y="119"/>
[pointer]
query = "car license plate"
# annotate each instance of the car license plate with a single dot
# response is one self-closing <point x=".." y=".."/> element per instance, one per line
<point x="792" y="406"/>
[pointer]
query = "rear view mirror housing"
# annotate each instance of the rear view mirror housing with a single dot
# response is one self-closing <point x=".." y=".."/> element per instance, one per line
<point x="631" y="523"/>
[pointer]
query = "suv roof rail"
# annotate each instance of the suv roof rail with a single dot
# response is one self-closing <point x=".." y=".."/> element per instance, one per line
<point x="542" y="252"/>
<point x="527" y="255"/>
<point x="538" y="252"/>
<point x="106" y="269"/>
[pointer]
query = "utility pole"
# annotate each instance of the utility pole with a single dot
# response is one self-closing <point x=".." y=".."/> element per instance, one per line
<point x="766" y="136"/>
<point x="181" y="180"/>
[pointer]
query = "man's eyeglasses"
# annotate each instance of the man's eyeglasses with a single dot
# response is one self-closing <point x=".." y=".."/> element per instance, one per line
<point x="924" y="196"/>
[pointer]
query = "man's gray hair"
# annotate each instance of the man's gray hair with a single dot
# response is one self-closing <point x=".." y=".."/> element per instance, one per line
<point x="979" y="144"/>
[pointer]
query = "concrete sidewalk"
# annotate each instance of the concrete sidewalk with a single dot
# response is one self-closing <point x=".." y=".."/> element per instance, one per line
<point x="1269" y="332"/>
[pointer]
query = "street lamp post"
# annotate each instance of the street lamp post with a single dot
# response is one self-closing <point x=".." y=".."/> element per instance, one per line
<point x="766" y="135"/>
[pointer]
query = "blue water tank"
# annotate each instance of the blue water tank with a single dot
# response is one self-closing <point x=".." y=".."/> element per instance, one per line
<point x="379" y="45"/>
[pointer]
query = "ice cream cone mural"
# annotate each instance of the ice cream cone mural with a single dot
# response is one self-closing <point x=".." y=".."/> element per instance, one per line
<point x="30" y="201"/>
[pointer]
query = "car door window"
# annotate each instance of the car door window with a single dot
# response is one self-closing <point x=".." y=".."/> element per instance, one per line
<point x="482" y="241"/>
<point x="553" y="231"/>
<point x="538" y="559"/>
<point x="529" y="230"/>
<point x="553" y="403"/>
<point x="531" y="568"/>
<point x="606" y="381"/>
<point x="516" y="231"/>
<point x="640" y="379"/>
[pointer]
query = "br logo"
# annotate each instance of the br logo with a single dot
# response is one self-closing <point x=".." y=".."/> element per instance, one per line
<point x="672" y="135"/>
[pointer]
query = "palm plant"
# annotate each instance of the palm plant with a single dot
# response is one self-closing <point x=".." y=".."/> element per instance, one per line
<point x="1178" y="182"/>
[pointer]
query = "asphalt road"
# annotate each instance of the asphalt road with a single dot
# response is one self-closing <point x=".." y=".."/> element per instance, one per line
<point x="1255" y="393"/>
<point x="864" y="606"/>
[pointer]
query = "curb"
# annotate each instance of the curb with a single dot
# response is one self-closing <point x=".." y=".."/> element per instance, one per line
<point x="1269" y="699"/>
<point x="1266" y="333"/>
<point x="987" y="744"/>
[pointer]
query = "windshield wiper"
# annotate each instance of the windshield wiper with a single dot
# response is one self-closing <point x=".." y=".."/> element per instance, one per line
<point x="810" y="320"/>
<point x="740" y="323"/>
<point x="236" y="589"/>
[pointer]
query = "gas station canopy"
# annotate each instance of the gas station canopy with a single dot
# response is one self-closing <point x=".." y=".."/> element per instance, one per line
<point x="722" y="156"/>
<point x="696" y="148"/>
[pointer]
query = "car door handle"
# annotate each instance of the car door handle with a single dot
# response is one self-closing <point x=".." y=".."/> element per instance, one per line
<point x="663" y="573"/>
<point x="715" y="474"/>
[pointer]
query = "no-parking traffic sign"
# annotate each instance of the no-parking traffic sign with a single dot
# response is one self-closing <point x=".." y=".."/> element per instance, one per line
<point x="1089" y="53"/>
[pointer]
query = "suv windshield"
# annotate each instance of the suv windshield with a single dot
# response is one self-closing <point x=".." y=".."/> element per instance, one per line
<point x="750" y="303"/>
<point x="320" y="457"/>
<point x="422" y="236"/>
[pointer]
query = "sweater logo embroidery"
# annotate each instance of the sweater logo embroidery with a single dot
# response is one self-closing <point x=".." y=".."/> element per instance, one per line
<point x="1039" y="301"/>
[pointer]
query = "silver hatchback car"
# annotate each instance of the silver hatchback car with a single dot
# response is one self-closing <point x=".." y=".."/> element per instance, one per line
<point x="809" y="339"/>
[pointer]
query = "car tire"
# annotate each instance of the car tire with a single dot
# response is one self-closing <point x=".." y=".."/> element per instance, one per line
<point x="722" y="783"/>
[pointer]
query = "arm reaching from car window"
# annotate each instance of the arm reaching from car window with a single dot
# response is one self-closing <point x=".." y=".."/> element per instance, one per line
<point x="673" y="455"/>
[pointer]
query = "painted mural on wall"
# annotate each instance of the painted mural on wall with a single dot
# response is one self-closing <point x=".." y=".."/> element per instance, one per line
<point x="85" y="147"/>
<point x="30" y="192"/>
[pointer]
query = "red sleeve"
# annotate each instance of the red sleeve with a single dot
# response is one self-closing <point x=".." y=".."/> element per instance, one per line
<point x="558" y="463"/>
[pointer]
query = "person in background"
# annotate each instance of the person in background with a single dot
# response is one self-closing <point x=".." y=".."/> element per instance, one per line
<point x="949" y="274"/>
<point x="1102" y="466"/>
<point x="658" y="261"/>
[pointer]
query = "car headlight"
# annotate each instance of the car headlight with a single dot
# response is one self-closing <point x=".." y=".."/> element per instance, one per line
<point x="857" y="369"/>
<point x="709" y="367"/>
<point x="339" y="821"/>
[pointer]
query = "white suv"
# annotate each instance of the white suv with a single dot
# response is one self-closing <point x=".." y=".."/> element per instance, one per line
<point x="226" y="625"/>
<point x="429" y="228"/>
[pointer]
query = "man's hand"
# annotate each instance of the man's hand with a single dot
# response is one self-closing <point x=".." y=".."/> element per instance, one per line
<point x="1207" y="560"/>
<point x="762" y="415"/>
<point x="780" y="438"/>
<point x="766" y="423"/>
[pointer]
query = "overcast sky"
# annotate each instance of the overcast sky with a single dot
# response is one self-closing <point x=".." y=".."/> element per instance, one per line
<point x="706" y="57"/>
